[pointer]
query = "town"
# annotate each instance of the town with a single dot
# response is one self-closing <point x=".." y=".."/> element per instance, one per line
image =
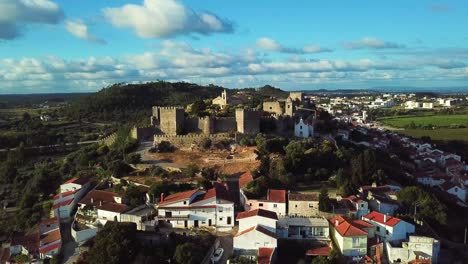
<point x="304" y="178"/>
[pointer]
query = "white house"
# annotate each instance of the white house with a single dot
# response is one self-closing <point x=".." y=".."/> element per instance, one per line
<point x="424" y="249"/>
<point x="350" y="239"/>
<point x="388" y="227"/>
<point x="70" y="193"/>
<point x="304" y="129"/>
<point x="197" y="208"/>
<point x="105" y="205"/>
<point x="257" y="228"/>
<point x="357" y="206"/>
<point x="456" y="190"/>
<point x="275" y="202"/>
<point x="50" y="238"/>
<point x="316" y="228"/>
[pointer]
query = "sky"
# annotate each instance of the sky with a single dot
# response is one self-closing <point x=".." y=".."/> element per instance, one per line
<point x="51" y="46"/>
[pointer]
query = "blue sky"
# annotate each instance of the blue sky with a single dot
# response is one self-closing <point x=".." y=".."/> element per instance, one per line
<point x="64" y="46"/>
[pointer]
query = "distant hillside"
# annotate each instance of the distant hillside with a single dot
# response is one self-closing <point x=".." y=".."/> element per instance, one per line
<point x="122" y="102"/>
<point x="267" y="91"/>
<point x="31" y="100"/>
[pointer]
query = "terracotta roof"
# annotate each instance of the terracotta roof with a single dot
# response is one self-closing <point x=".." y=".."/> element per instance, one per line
<point x="277" y="196"/>
<point x="264" y="255"/>
<point x="244" y="179"/>
<point x="189" y="207"/>
<point x="50" y="248"/>
<point x="113" y="207"/>
<point x="321" y="251"/>
<point x="50" y="237"/>
<point x="303" y="197"/>
<point x="64" y="203"/>
<point x="345" y="228"/>
<point x="379" y="218"/>
<point x="259" y="229"/>
<point x="65" y="194"/>
<point x="49" y="221"/>
<point x="76" y="180"/>
<point x="177" y="197"/>
<point x="98" y="196"/>
<point x="361" y="224"/>
<point x="258" y="212"/>
<point x="4" y="255"/>
<point x="448" y="185"/>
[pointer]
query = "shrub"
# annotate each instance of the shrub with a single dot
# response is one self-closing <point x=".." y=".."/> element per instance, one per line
<point x="205" y="143"/>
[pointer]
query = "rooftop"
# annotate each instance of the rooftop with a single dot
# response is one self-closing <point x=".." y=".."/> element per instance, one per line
<point x="264" y="255"/>
<point x="244" y="179"/>
<point x="277" y="196"/>
<point x="379" y="218"/>
<point x="345" y="228"/>
<point x="76" y="180"/>
<point x="177" y="197"/>
<point x="258" y="212"/>
<point x="258" y="228"/>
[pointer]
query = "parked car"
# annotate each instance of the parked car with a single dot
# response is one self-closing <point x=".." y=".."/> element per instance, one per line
<point x="217" y="255"/>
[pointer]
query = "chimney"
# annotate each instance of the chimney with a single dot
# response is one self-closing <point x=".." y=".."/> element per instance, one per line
<point x="385" y="218"/>
<point x="162" y="198"/>
<point x="337" y="222"/>
<point x="374" y="184"/>
<point x="92" y="200"/>
<point x="100" y="203"/>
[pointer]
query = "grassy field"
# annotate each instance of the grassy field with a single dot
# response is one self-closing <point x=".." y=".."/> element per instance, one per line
<point x="436" y="120"/>
<point x="438" y="134"/>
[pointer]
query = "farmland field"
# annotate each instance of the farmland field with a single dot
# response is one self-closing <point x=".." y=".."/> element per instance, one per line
<point x="438" y="134"/>
<point x="435" y="120"/>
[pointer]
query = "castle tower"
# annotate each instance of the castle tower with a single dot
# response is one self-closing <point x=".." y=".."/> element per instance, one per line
<point x="171" y="119"/>
<point x="224" y="97"/>
<point x="248" y="121"/>
<point x="289" y="107"/>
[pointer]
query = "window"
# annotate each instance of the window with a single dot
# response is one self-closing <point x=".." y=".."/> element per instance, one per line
<point x="300" y="127"/>
<point x="362" y="205"/>
<point x="220" y="210"/>
<point x="377" y="228"/>
<point x="296" y="205"/>
<point x="260" y="204"/>
<point x="185" y="202"/>
<point x="311" y="205"/>
<point x="386" y="232"/>
<point x="355" y="241"/>
<point x="203" y="222"/>
<point x="250" y="204"/>
<point x="275" y="206"/>
<point x="271" y="107"/>
<point x="220" y="219"/>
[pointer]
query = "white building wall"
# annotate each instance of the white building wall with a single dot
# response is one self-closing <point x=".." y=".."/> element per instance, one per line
<point x="268" y="223"/>
<point x="254" y="240"/>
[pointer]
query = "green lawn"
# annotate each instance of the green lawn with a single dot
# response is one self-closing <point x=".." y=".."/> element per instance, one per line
<point x="436" y="120"/>
<point x="438" y="134"/>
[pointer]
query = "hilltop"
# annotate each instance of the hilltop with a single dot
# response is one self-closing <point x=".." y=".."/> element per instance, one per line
<point x="123" y="102"/>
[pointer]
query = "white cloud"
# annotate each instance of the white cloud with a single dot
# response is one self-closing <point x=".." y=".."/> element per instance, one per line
<point x="272" y="45"/>
<point x="165" y="18"/>
<point x="372" y="43"/>
<point x="15" y="14"/>
<point x="179" y="61"/>
<point x="80" y="30"/>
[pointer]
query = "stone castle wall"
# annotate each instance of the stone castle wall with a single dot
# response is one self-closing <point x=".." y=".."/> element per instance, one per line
<point x="248" y="121"/>
<point x="142" y="133"/>
<point x="225" y="124"/>
<point x="191" y="140"/>
<point x="171" y="120"/>
<point x="273" y="107"/>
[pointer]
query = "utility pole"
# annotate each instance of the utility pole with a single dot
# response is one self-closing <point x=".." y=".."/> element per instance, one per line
<point x="465" y="235"/>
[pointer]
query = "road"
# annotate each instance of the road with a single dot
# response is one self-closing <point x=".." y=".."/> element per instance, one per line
<point x="226" y="242"/>
<point x="70" y="248"/>
<point x="56" y="145"/>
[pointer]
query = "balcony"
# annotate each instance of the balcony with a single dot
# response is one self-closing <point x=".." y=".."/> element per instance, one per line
<point x="173" y="217"/>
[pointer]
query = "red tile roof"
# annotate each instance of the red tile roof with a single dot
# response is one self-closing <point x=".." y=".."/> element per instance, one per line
<point x="277" y="196"/>
<point x="50" y="248"/>
<point x="361" y="224"/>
<point x="177" y="197"/>
<point x="244" y="179"/>
<point x="113" y="207"/>
<point x="219" y="191"/>
<point x="50" y="237"/>
<point x="76" y="180"/>
<point x="49" y="221"/>
<point x="189" y="207"/>
<point x="321" y="251"/>
<point x="264" y="255"/>
<point x="258" y="212"/>
<point x="64" y="203"/>
<point x="303" y="197"/>
<point x="379" y="218"/>
<point x="65" y="194"/>
<point x="345" y="228"/>
<point x="258" y="228"/>
<point x="98" y="196"/>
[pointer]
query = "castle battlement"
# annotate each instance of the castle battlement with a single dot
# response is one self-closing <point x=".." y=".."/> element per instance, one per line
<point x="168" y="107"/>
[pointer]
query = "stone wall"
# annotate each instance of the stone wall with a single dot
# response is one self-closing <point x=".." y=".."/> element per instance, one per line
<point x="225" y="124"/>
<point x="188" y="141"/>
<point x="274" y="107"/>
<point x="142" y="133"/>
<point x="109" y="140"/>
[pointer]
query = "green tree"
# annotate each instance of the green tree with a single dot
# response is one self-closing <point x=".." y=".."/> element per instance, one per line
<point x="115" y="243"/>
<point x="324" y="200"/>
<point x="188" y="253"/>
<point x="205" y="143"/>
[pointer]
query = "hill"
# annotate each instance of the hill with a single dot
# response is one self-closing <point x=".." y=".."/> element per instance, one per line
<point x="133" y="102"/>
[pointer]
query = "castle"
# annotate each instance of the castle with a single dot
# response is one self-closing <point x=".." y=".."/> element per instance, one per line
<point x="174" y="121"/>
